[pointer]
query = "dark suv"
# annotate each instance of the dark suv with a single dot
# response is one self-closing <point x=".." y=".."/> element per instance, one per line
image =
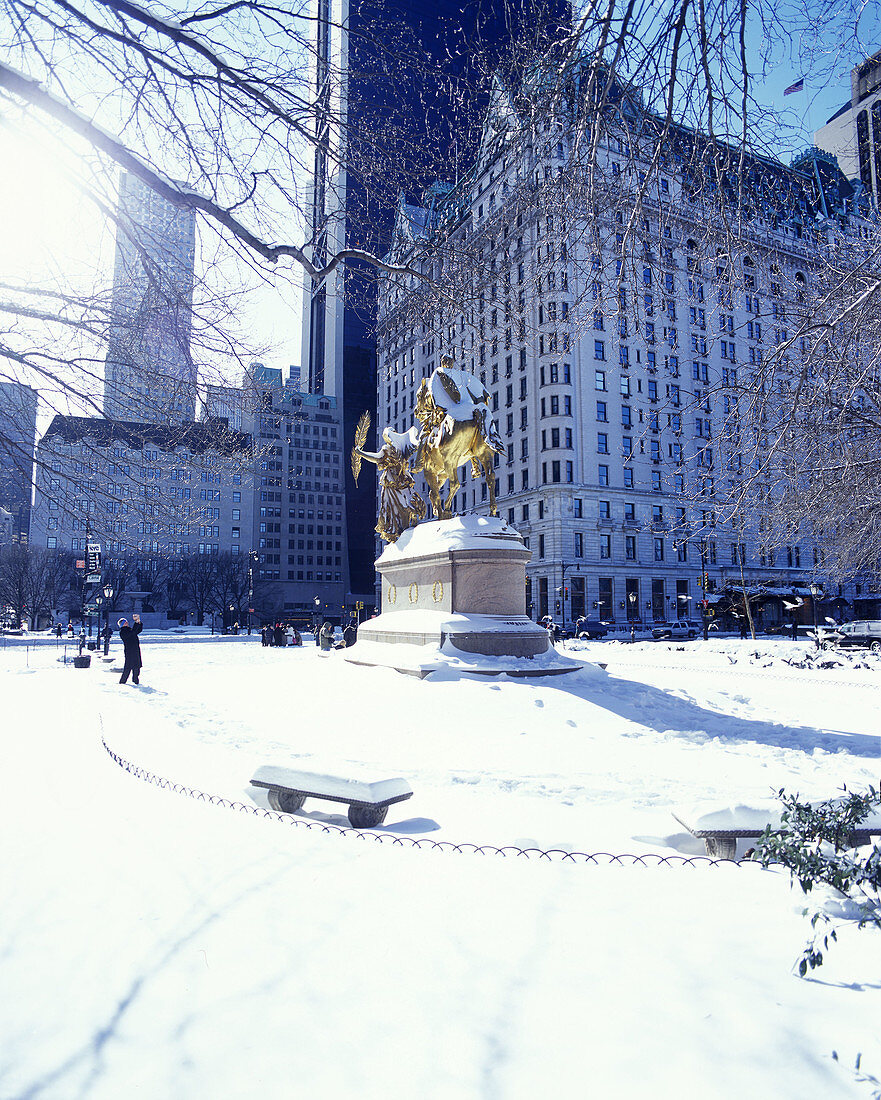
<point x="865" y="633"/>
<point x="590" y="628"/>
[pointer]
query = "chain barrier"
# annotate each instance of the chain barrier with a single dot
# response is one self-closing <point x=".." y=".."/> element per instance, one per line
<point x="556" y="855"/>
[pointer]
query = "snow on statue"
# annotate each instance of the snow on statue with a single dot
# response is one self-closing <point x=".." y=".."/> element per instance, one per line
<point x="452" y="407"/>
<point x="455" y="426"/>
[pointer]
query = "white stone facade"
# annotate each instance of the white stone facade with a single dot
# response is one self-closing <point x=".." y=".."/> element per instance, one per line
<point x="614" y="382"/>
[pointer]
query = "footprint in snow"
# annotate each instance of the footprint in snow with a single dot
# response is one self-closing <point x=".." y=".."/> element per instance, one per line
<point x="539" y="703"/>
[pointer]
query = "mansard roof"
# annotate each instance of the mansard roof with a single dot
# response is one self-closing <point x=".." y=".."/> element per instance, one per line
<point x="213" y="437"/>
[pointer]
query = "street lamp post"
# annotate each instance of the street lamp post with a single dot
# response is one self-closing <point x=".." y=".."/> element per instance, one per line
<point x="252" y="557"/>
<point x="702" y="547"/>
<point x="108" y="596"/>
<point x="633" y="614"/>
<point x="816" y="591"/>
<point x="563" y="567"/>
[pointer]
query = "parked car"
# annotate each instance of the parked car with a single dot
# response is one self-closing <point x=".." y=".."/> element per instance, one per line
<point x="590" y="628"/>
<point x="865" y="633"/>
<point x="679" y="630"/>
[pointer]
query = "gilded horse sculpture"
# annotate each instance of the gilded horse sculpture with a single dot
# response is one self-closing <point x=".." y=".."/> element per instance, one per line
<point x="455" y="426"/>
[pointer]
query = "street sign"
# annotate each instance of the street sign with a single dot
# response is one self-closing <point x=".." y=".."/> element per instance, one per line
<point x="81" y="564"/>
<point x="93" y="563"/>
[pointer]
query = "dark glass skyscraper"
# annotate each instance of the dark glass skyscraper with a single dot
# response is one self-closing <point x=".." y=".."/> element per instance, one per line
<point x="408" y="78"/>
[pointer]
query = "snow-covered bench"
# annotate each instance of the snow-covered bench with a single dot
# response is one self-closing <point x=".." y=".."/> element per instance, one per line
<point x="368" y="803"/>
<point x="720" y="827"/>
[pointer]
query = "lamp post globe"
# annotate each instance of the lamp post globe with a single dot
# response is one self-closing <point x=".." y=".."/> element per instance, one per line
<point x="108" y="596"/>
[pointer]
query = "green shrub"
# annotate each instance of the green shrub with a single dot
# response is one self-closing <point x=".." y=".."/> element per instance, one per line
<point x="814" y="842"/>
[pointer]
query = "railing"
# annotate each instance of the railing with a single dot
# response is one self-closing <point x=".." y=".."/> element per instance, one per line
<point x="556" y="855"/>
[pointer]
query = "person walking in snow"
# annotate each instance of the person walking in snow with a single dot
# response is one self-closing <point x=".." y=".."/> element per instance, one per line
<point x="128" y="635"/>
<point x="325" y="637"/>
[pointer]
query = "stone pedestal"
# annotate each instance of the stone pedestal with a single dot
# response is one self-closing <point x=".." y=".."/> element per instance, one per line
<point x="454" y="594"/>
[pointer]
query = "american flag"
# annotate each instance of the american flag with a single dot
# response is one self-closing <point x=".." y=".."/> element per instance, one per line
<point x="796" y="87"/>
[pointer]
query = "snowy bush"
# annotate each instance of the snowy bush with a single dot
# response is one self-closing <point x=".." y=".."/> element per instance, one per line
<point x="814" y="842"/>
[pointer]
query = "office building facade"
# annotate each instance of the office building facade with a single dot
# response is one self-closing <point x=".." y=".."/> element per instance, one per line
<point x="149" y="372"/>
<point x="299" y="507"/>
<point x="18" y="434"/>
<point x="149" y="495"/>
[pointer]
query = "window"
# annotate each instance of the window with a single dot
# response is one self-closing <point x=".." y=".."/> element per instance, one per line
<point x="579" y="544"/>
<point x="602" y="412"/>
<point x="600" y="380"/>
<point x="605" y="546"/>
<point x="659" y="549"/>
<point x="602" y="443"/>
<point x="630" y="547"/>
<point x="51" y="542"/>
<point x="599" y="349"/>
<point x="628" y="477"/>
<point x="603" y="474"/>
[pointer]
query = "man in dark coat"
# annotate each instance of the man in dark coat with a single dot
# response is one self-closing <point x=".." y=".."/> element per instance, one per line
<point x="350" y="634"/>
<point x="129" y="637"/>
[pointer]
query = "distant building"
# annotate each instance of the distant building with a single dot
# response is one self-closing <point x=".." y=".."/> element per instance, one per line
<point x="299" y="513"/>
<point x="6" y="527"/>
<point x="149" y="373"/>
<point x="853" y="133"/>
<point x="145" y="493"/>
<point x="229" y="403"/>
<point x="18" y="432"/>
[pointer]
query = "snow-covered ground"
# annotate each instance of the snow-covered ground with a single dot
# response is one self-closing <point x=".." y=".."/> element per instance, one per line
<point x="158" y="946"/>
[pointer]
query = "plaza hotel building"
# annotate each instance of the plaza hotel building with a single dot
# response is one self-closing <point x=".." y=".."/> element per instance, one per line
<point x="619" y="329"/>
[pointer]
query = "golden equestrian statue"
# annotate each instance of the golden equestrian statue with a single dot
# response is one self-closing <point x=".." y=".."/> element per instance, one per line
<point x="400" y="506"/>
<point x="452" y="407"/>
<point x="455" y="426"/>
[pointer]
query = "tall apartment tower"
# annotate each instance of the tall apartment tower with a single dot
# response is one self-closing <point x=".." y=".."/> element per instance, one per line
<point x="429" y="117"/>
<point x="853" y="133"/>
<point x="617" y="373"/>
<point x="150" y="376"/>
<point x="18" y="433"/>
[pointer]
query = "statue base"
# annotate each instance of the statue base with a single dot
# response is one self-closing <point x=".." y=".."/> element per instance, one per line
<point x="454" y="596"/>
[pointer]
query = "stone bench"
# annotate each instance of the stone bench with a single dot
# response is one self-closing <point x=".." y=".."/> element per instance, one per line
<point x="368" y="803"/>
<point x="721" y="827"/>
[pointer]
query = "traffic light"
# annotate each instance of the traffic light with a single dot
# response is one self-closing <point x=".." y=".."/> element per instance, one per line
<point x="557" y="606"/>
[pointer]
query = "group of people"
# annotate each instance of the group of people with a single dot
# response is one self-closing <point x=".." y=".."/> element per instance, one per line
<point x="280" y="634"/>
